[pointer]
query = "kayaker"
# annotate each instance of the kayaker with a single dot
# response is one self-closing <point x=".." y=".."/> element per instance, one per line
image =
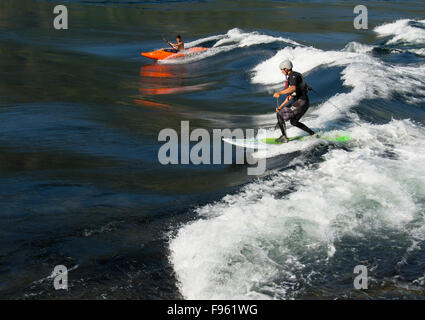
<point x="296" y="89"/>
<point x="179" y="46"/>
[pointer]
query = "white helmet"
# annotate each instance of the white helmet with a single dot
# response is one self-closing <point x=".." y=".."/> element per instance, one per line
<point x="285" y="65"/>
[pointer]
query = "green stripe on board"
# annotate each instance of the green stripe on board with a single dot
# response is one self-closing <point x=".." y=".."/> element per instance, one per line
<point x="342" y="138"/>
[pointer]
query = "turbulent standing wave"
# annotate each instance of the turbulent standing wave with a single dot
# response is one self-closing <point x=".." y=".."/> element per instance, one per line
<point x="233" y="39"/>
<point x="82" y="186"/>
<point x="405" y="33"/>
<point x="261" y="244"/>
<point x="289" y="233"/>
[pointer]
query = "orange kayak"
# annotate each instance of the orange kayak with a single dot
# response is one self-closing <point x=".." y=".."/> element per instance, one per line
<point x="170" y="53"/>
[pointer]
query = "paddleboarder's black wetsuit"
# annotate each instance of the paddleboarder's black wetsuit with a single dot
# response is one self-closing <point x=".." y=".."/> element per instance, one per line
<point x="298" y="108"/>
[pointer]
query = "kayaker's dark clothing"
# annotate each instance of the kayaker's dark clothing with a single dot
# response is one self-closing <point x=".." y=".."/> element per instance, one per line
<point x="179" y="46"/>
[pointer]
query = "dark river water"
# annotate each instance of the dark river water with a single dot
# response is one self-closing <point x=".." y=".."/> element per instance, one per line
<point x="81" y="184"/>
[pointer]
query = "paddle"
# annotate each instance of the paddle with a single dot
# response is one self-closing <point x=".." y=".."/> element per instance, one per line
<point x="168" y="42"/>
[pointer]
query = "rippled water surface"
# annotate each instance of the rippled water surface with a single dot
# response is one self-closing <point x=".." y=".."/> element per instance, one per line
<point x="81" y="184"/>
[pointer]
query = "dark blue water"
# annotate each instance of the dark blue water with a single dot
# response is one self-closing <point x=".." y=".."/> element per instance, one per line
<point x="81" y="184"/>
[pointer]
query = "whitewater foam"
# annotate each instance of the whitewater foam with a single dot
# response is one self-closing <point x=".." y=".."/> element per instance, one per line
<point x="354" y="46"/>
<point x="385" y="80"/>
<point x="404" y="31"/>
<point x="260" y="244"/>
<point x="233" y="39"/>
<point x="275" y="237"/>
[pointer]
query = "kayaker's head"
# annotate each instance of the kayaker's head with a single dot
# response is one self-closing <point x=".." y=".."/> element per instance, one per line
<point x="286" y="67"/>
<point x="179" y="38"/>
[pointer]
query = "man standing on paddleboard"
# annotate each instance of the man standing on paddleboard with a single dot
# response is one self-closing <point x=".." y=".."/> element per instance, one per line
<point x="179" y="46"/>
<point x="296" y="88"/>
